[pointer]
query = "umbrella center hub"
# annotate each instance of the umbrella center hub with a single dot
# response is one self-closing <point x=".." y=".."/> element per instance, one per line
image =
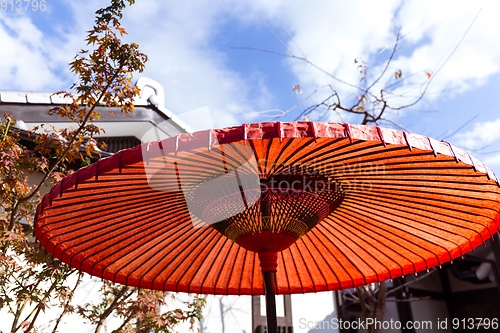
<point x="272" y="218"/>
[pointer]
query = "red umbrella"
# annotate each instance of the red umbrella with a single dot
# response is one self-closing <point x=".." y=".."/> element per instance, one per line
<point x="318" y="206"/>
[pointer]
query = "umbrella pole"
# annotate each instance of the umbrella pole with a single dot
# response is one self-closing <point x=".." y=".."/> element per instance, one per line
<point x="270" y="289"/>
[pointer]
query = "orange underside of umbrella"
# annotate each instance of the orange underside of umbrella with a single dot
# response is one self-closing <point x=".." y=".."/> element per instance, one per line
<point x="341" y="206"/>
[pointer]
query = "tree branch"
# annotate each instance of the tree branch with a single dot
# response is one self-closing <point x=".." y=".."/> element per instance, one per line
<point x="392" y="291"/>
<point x="66" y="305"/>
<point x="65" y="152"/>
<point x="409" y="300"/>
<point x="119" y="297"/>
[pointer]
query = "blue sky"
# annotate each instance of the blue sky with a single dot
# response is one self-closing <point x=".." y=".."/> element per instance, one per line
<point x="191" y="50"/>
<point x="190" y="47"/>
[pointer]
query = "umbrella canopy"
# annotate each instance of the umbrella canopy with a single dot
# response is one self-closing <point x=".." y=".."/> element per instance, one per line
<point x="333" y="206"/>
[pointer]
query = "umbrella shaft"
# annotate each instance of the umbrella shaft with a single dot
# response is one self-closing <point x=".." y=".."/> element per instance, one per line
<point x="270" y="289"/>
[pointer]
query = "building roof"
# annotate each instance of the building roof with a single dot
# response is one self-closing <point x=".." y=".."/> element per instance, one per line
<point x="150" y="120"/>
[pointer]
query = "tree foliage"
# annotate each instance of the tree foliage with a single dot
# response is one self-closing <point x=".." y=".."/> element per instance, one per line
<point x="31" y="280"/>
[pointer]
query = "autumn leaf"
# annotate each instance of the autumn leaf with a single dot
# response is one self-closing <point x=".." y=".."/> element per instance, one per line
<point x="297" y="89"/>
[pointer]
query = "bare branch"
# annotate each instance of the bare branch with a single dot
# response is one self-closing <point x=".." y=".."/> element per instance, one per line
<point x="397" y="125"/>
<point x="392" y="291"/>
<point x="388" y="62"/>
<point x="276" y="36"/>
<point x="408" y="300"/>
<point x="296" y="105"/>
<point x="262" y="50"/>
<point x="465" y="124"/>
<point x="293" y="40"/>
<point x="444" y="63"/>
<point x="302" y="59"/>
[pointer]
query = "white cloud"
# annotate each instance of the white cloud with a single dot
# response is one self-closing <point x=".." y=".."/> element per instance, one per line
<point x="179" y="39"/>
<point x="333" y="34"/>
<point x="436" y="28"/>
<point x="31" y="57"/>
<point x="23" y="61"/>
<point x="482" y="135"/>
<point x="484" y="141"/>
<point x="493" y="162"/>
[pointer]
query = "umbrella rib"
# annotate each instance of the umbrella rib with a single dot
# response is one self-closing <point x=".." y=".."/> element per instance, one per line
<point x="378" y="149"/>
<point x="289" y="249"/>
<point x="261" y="173"/>
<point x="357" y="255"/>
<point x="421" y="177"/>
<point x="360" y="199"/>
<point x="269" y="144"/>
<point x="101" y="191"/>
<point x="434" y="212"/>
<point x="135" y="259"/>
<point x="321" y="254"/>
<point x="117" y="250"/>
<point x="144" y="274"/>
<point x="406" y="225"/>
<point x="122" y="200"/>
<point x="416" y="236"/>
<point x="115" y="227"/>
<point x="329" y="219"/>
<point x="336" y="259"/>
<point x="435" y="170"/>
<point x="406" y="181"/>
<point x="142" y="219"/>
<point x="384" y="195"/>
<point x="414" y="185"/>
<point x="232" y="266"/>
<point x="356" y="226"/>
<point x="160" y="241"/>
<point x="443" y="159"/>
<point x="305" y="154"/>
<point x="378" y="155"/>
<point x="333" y="155"/>
<point x="282" y="150"/>
<point x="98" y="217"/>
<point x="97" y="220"/>
<point x="321" y="272"/>
<point x="402" y="150"/>
<point x="201" y="239"/>
<point x="307" y="268"/>
<point x="212" y="263"/>
<point x="134" y="246"/>
<point x="209" y="156"/>
<point x="253" y="270"/>
<point x="391" y="197"/>
<point x="252" y="169"/>
<point x="242" y="268"/>
<point x="66" y="202"/>
<point x="286" y="273"/>
<point x="186" y="236"/>
<point x="196" y="163"/>
<point x="280" y="166"/>
<point x="368" y="244"/>
<point x="306" y="157"/>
